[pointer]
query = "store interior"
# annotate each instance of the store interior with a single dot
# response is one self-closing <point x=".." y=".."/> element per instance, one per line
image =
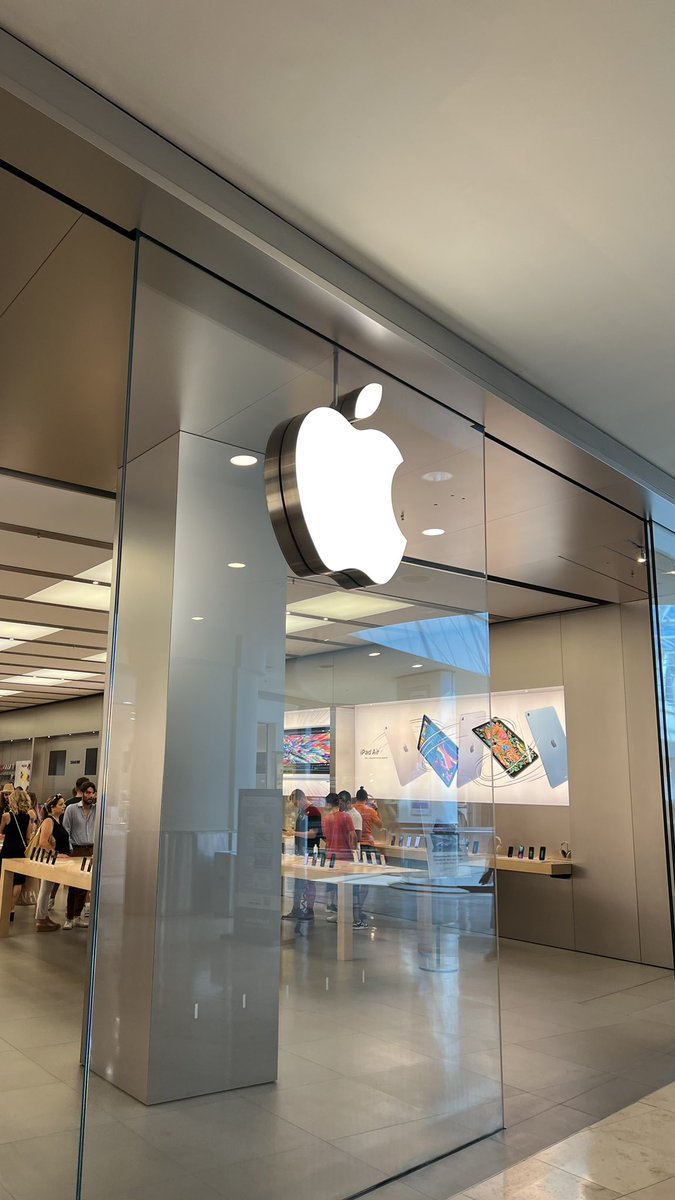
<point x="392" y="1055"/>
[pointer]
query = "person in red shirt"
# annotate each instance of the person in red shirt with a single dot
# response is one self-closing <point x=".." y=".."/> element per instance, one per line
<point x="338" y="830"/>
<point x="341" y="840"/>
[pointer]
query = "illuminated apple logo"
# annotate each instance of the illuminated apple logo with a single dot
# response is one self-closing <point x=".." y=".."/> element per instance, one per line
<point x="328" y="491"/>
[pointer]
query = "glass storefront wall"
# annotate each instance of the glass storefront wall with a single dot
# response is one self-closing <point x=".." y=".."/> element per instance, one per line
<point x="273" y="1011"/>
<point x="661" y="555"/>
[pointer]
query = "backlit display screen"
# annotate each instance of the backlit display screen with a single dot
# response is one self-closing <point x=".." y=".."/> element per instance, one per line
<point x="307" y="751"/>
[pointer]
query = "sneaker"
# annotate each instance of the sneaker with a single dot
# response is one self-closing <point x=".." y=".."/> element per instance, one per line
<point x="81" y="922"/>
<point x="331" y="916"/>
<point x="359" y="925"/>
<point x="331" y="908"/>
<point x="86" y="910"/>
<point x="294" y="915"/>
<point x="306" y="915"/>
<point x="46" y="926"/>
<point x="67" y="924"/>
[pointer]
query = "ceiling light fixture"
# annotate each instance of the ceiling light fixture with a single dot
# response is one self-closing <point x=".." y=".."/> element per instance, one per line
<point x="196" y="618"/>
<point x="243" y="460"/>
<point x="436" y="476"/>
<point x="642" y="558"/>
<point x="416" y="667"/>
<point x="374" y="654"/>
<point x="433" y="532"/>
<point x="237" y="566"/>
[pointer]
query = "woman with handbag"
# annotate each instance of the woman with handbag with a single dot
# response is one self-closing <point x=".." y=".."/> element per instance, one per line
<point x="52" y="836"/>
<point x="16" y="823"/>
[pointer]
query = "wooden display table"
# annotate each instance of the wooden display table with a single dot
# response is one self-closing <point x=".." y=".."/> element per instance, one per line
<point x="65" y="870"/>
<point x="344" y="875"/>
<point x="560" y="867"/>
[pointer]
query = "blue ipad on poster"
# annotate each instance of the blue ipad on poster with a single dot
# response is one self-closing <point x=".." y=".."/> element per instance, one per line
<point x="438" y="750"/>
<point x="551" y="743"/>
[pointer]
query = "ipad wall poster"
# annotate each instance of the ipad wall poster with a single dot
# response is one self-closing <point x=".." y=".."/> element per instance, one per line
<point x="427" y="751"/>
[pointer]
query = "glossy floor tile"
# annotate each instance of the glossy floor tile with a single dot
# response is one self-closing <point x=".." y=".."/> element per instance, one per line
<point x="383" y="1067"/>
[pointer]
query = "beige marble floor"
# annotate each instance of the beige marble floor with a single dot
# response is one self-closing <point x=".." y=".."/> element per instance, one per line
<point x="631" y="1153"/>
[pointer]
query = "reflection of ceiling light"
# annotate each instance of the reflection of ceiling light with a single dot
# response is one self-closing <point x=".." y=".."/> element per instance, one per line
<point x="670" y="572"/>
<point x="72" y="593"/>
<point x="347" y="606"/>
<point x="5" y="693"/>
<point x="437" y="476"/>
<point x="101" y="573"/>
<point x="295" y="624"/>
<point x="102" y="657"/>
<point x="237" y="566"/>
<point x="374" y="654"/>
<point x="196" y="618"/>
<point x="433" y="532"/>
<point x="243" y="460"/>
<point x="642" y="558"/>
<point x="416" y="666"/>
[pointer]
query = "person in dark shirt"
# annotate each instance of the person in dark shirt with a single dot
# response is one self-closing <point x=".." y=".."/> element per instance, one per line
<point x="307" y="835"/>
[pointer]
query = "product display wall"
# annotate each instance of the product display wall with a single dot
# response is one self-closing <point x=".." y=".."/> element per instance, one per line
<point x="427" y="755"/>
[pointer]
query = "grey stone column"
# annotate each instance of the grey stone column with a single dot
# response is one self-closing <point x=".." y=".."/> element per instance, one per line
<point x="187" y="966"/>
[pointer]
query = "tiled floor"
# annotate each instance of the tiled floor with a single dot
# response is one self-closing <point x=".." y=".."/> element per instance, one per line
<point x="631" y="1153"/>
<point x="383" y="1065"/>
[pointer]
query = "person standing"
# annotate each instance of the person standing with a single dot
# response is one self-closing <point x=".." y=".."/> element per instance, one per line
<point x="369" y="815"/>
<point x="76" y="796"/>
<point x="307" y="835"/>
<point x="340" y="837"/>
<point x="17" y="824"/>
<point x="359" y="892"/>
<point x="52" y="837"/>
<point x="79" y="822"/>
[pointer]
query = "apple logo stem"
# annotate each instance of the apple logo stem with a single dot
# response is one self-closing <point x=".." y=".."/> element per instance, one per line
<point x="324" y="523"/>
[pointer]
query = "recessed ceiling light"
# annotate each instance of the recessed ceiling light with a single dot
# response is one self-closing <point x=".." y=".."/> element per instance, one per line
<point x="433" y="532"/>
<point x="94" y="583"/>
<point x="243" y="460"/>
<point x="416" y="666"/>
<point x="127" y="701"/>
<point x="237" y="566"/>
<point x="196" y="618"/>
<point x="642" y="558"/>
<point x="374" y="654"/>
<point x="437" y="476"/>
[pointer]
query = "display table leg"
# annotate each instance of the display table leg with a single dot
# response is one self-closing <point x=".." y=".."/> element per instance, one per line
<point x="6" y="887"/>
<point x="345" y="926"/>
<point x="425" y="926"/>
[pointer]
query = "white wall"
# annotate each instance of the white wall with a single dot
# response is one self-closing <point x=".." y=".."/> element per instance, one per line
<point x="64" y="716"/>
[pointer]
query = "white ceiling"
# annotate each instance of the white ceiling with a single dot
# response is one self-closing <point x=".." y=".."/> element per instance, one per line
<point x="507" y="163"/>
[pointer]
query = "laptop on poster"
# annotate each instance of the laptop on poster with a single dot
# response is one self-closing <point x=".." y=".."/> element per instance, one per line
<point x="402" y="742"/>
